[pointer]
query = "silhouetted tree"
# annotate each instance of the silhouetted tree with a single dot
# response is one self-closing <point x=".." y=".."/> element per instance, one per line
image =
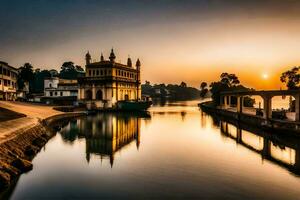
<point x="203" y="89"/>
<point x="172" y="91"/>
<point x="229" y="79"/>
<point x="79" y="68"/>
<point x="54" y="73"/>
<point x="147" y="89"/>
<point x="37" y="84"/>
<point x="25" y="75"/>
<point x="183" y="84"/>
<point x="69" y="71"/>
<point x="291" y="78"/>
<point x="216" y="88"/>
<point x="228" y="82"/>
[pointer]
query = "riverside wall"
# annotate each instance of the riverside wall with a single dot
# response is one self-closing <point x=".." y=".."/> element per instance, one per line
<point x="273" y="125"/>
<point x="17" y="153"/>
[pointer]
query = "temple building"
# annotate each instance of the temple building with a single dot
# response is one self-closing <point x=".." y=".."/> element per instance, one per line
<point x="106" y="82"/>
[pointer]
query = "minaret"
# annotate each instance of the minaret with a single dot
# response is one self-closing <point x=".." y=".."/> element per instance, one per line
<point x="138" y="65"/>
<point x="138" y="80"/>
<point x="88" y="58"/>
<point x="129" y="63"/>
<point x="101" y="57"/>
<point x="112" y="56"/>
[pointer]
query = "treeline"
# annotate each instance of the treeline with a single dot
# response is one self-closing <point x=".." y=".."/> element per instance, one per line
<point x="35" y="77"/>
<point x="171" y="91"/>
<point x="227" y="82"/>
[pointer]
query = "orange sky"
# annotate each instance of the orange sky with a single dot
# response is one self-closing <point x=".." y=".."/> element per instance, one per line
<point x="175" y="42"/>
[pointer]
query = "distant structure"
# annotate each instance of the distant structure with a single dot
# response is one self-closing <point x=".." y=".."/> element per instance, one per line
<point x="106" y="82"/>
<point x="8" y="82"/>
<point x="60" y="91"/>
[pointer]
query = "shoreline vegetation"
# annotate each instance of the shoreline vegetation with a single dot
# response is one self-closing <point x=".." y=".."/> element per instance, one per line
<point x="20" y="146"/>
<point x="170" y="91"/>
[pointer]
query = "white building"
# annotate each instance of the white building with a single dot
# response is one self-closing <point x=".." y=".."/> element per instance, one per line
<point x="60" y="91"/>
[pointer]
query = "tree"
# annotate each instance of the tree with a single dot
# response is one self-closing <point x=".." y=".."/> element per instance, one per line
<point x="291" y="78"/>
<point x="79" y="68"/>
<point x="172" y="91"/>
<point x="53" y="72"/>
<point x="37" y="84"/>
<point x="183" y="84"/>
<point x="25" y="75"/>
<point x="67" y="66"/>
<point x="203" y="85"/>
<point x="228" y="82"/>
<point x="69" y="71"/>
<point x="203" y="89"/>
<point x="229" y="79"/>
<point x="26" y="72"/>
<point x="216" y="88"/>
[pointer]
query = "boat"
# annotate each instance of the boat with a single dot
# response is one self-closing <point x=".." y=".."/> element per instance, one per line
<point x="128" y="105"/>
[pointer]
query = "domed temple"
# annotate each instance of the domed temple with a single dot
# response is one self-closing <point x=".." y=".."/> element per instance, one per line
<point x="106" y="82"/>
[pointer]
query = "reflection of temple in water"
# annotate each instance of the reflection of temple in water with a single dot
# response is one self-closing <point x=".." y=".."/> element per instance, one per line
<point x="105" y="134"/>
<point x="283" y="151"/>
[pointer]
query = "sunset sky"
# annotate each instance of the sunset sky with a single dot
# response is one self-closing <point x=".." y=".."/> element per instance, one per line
<point x="189" y="40"/>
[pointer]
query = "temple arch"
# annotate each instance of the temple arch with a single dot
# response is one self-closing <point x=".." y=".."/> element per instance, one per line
<point x="99" y="95"/>
<point x="88" y="95"/>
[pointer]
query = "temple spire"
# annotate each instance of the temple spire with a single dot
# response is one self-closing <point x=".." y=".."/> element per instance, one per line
<point x="138" y="64"/>
<point x="129" y="63"/>
<point x="88" y="58"/>
<point x="112" y="56"/>
<point x="101" y="57"/>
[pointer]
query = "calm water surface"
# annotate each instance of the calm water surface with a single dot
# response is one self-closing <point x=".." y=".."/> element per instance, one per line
<point x="174" y="152"/>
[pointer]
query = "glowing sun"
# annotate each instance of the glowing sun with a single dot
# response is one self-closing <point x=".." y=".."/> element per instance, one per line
<point x="265" y="76"/>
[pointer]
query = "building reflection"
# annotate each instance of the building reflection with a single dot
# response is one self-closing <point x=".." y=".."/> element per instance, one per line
<point x="104" y="134"/>
<point x="277" y="148"/>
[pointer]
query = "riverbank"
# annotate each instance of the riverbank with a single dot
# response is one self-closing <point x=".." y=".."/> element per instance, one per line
<point x="275" y="125"/>
<point x="22" y="138"/>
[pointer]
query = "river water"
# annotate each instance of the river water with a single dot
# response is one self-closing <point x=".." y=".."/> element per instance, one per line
<point x="174" y="151"/>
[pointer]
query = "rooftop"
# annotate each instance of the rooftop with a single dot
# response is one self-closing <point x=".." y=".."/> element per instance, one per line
<point x="6" y="64"/>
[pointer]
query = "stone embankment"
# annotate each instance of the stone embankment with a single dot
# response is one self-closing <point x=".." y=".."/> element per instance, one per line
<point x="18" y="147"/>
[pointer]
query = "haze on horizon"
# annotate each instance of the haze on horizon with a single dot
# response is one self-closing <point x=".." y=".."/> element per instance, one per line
<point x="189" y="41"/>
